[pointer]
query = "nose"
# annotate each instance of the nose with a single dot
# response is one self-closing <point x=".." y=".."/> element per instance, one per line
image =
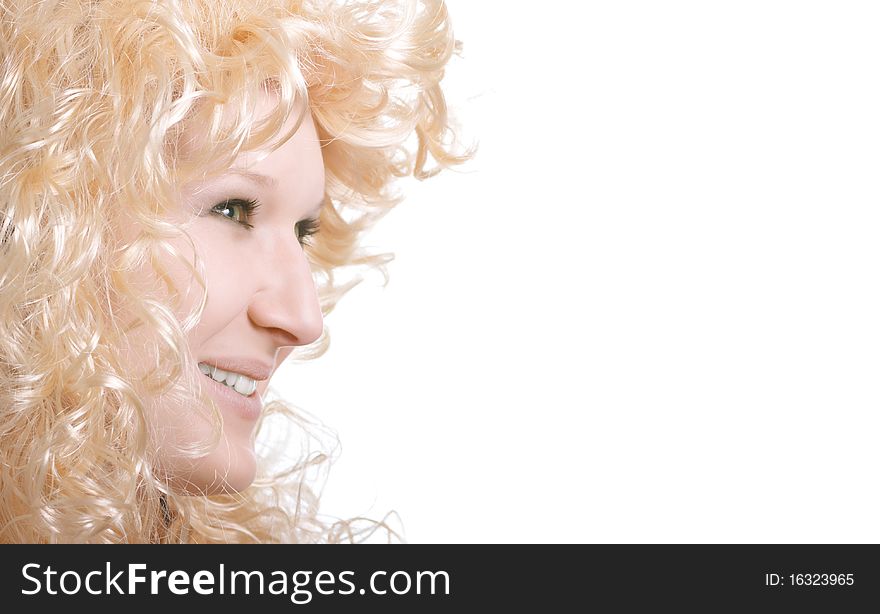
<point x="286" y="303"/>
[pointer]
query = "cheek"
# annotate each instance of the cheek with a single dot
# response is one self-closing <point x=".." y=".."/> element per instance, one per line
<point x="226" y="277"/>
<point x="172" y="280"/>
<point x="228" y="253"/>
<point x="175" y="427"/>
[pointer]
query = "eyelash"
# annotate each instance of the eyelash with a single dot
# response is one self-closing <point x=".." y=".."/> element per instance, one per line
<point x="249" y="206"/>
<point x="304" y="229"/>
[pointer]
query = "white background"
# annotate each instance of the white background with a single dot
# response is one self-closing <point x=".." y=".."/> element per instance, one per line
<point x="648" y="310"/>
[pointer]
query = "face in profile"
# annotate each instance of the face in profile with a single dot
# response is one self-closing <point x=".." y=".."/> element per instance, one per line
<point x="248" y="225"/>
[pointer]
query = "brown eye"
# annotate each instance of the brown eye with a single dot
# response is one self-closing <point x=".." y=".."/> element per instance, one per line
<point x="238" y="210"/>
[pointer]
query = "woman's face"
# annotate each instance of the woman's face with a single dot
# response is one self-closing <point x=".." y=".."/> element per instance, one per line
<point x="261" y="300"/>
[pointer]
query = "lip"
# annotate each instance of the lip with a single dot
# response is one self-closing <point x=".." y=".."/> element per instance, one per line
<point x="249" y="407"/>
<point x="254" y="369"/>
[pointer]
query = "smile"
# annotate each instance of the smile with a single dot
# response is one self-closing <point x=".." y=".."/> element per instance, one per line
<point x="242" y="384"/>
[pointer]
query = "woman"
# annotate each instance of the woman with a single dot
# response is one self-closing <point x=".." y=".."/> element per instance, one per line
<point x="180" y="181"/>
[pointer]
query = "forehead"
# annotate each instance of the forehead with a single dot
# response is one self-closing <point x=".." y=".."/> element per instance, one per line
<point x="296" y="164"/>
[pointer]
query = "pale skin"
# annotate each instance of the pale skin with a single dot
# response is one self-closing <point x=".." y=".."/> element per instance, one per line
<point x="261" y="300"/>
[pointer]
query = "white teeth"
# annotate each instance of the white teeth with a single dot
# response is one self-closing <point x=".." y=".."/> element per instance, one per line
<point x="245" y="386"/>
<point x="242" y="384"/>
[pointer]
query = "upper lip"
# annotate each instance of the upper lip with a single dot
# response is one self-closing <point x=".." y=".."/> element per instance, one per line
<point x="252" y="368"/>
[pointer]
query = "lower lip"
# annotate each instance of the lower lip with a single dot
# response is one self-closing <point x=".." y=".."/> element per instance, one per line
<point x="249" y="407"/>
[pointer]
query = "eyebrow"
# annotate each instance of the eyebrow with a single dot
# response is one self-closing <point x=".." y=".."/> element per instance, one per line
<point x="263" y="180"/>
<point x="270" y="182"/>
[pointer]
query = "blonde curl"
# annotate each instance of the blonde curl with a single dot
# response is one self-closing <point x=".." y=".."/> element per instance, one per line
<point x="93" y="98"/>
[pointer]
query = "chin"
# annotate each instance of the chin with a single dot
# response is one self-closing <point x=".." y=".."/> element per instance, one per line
<point x="219" y="473"/>
<point x="237" y="481"/>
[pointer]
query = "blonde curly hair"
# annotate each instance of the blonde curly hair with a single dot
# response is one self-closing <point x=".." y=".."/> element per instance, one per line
<point x="94" y="95"/>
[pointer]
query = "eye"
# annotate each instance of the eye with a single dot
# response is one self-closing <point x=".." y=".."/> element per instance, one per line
<point x="305" y="229"/>
<point x="238" y="210"/>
